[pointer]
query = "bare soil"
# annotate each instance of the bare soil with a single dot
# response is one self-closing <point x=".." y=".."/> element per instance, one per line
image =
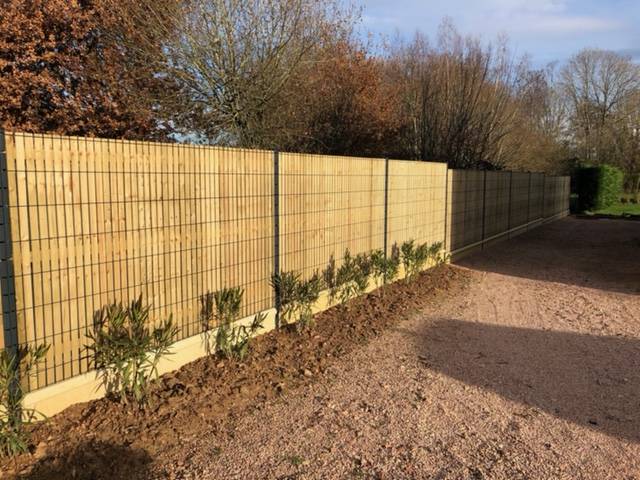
<point x="522" y="362"/>
<point x="104" y="439"/>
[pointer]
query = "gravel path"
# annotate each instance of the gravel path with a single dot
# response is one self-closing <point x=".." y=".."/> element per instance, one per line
<point x="533" y="373"/>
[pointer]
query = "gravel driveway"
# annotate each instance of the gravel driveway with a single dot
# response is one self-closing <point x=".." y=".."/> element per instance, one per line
<point x="532" y="372"/>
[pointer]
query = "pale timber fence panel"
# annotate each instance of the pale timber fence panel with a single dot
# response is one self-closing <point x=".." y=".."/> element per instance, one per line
<point x="328" y="204"/>
<point x="86" y="222"/>
<point x="99" y="221"/>
<point x="416" y="202"/>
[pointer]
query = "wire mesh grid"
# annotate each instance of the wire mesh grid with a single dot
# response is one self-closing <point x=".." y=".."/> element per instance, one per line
<point x="496" y="215"/>
<point x="466" y="206"/>
<point x="416" y="202"/>
<point x="101" y="221"/>
<point x="88" y="222"/>
<point x="329" y="204"/>
<point x="520" y="201"/>
<point x="536" y="196"/>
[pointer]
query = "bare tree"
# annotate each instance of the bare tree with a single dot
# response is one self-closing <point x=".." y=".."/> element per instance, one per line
<point x="457" y="99"/>
<point x="624" y="135"/>
<point x="596" y="83"/>
<point x="232" y="58"/>
<point x="541" y="126"/>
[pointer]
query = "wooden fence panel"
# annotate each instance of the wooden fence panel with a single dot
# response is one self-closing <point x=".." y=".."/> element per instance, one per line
<point x="557" y="192"/>
<point x="466" y="206"/>
<point x="550" y="186"/>
<point x="329" y="204"/>
<point x="565" y="195"/>
<point x="497" y="203"/>
<point x="417" y="196"/>
<point x="536" y="196"/>
<point x="101" y="221"/>
<point x="520" y="183"/>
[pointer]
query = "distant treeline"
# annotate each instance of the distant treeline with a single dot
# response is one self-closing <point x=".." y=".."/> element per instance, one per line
<point x="295" y="75"/>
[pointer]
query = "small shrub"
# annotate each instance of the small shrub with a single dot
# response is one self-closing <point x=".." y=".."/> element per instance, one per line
<point x="378" y="267"/>
<point x="351" y="279"/>
<point x="126" y="351"/>
<point x="308" y="293"/>
<point x="415" y="257"/>
<point x="385" y="269"/>
<point x="231" y="341"/>
<point x="285" y="287"/>
<point x="227" y="305"/>
<point x="15" y="368"/>
<point x="297" y="297"/>
<point x="437" y="254"/>
<point x="329" y="275"/>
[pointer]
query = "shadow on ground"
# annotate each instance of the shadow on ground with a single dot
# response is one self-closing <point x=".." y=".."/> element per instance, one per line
<point x="601" y="254"/>
<point x="589" y="380"/>
<point x="93" y="460"/>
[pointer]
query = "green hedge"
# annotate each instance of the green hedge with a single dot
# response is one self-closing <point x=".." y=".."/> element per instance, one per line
<point x="598" y="187"/>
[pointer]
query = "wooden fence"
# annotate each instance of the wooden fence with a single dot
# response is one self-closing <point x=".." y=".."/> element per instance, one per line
<point x="86" y="222"/>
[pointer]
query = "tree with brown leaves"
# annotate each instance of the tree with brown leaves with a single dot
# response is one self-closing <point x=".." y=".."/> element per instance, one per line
<point x="339" y="104"/>
<point x="64" y="68"/>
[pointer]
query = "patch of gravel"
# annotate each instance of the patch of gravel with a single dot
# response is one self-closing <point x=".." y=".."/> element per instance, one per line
<point x="533" y="373"/>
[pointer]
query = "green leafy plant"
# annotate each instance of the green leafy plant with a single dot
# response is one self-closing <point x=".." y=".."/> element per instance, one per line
<point x="437" y="254"/>
<point x="297" y="297"/>
<point x="598" y="187"/>
<point x="415" y="256"/>
<point x="385" y="269"/>
<point x="351" y="279"/>
<point x="126" y="351"/>
<point x="308" y="293"/>
<point x="285" y="287"/>
<point x="16" y="367"/>
<point x="231" y="341"/>
<point x="329" y="276"/>
<point x="207" y="319"/>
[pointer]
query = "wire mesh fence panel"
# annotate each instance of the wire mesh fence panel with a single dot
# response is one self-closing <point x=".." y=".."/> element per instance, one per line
<point x="496" y="214"/>
<point x="328" y="204"/>
<point x="519" y="199"/>
<point x="466" y="205"/>
<point x="556" y="195"/>
<point x="416" y="202"/>
<point x="536" y="196"/>
<point x="88" y="222"/>
<point x="550" y="186"/>
<point x="565" y="195"/>
<point x="102" y="221"/>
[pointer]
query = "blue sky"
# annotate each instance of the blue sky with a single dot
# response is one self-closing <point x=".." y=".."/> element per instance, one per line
<point x="546" y="29"/>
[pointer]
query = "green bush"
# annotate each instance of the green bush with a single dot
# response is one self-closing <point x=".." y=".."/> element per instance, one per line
<point x="416" y="256"/>
<point x="297" y="297"/>
<point x="126" y="351"/>
<point x="598" y="187"/>
<point x="351" y="279"/>
<point x="15" y="368"/>
<point x="222" y="308"/>
<point x="385" y="269"/>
